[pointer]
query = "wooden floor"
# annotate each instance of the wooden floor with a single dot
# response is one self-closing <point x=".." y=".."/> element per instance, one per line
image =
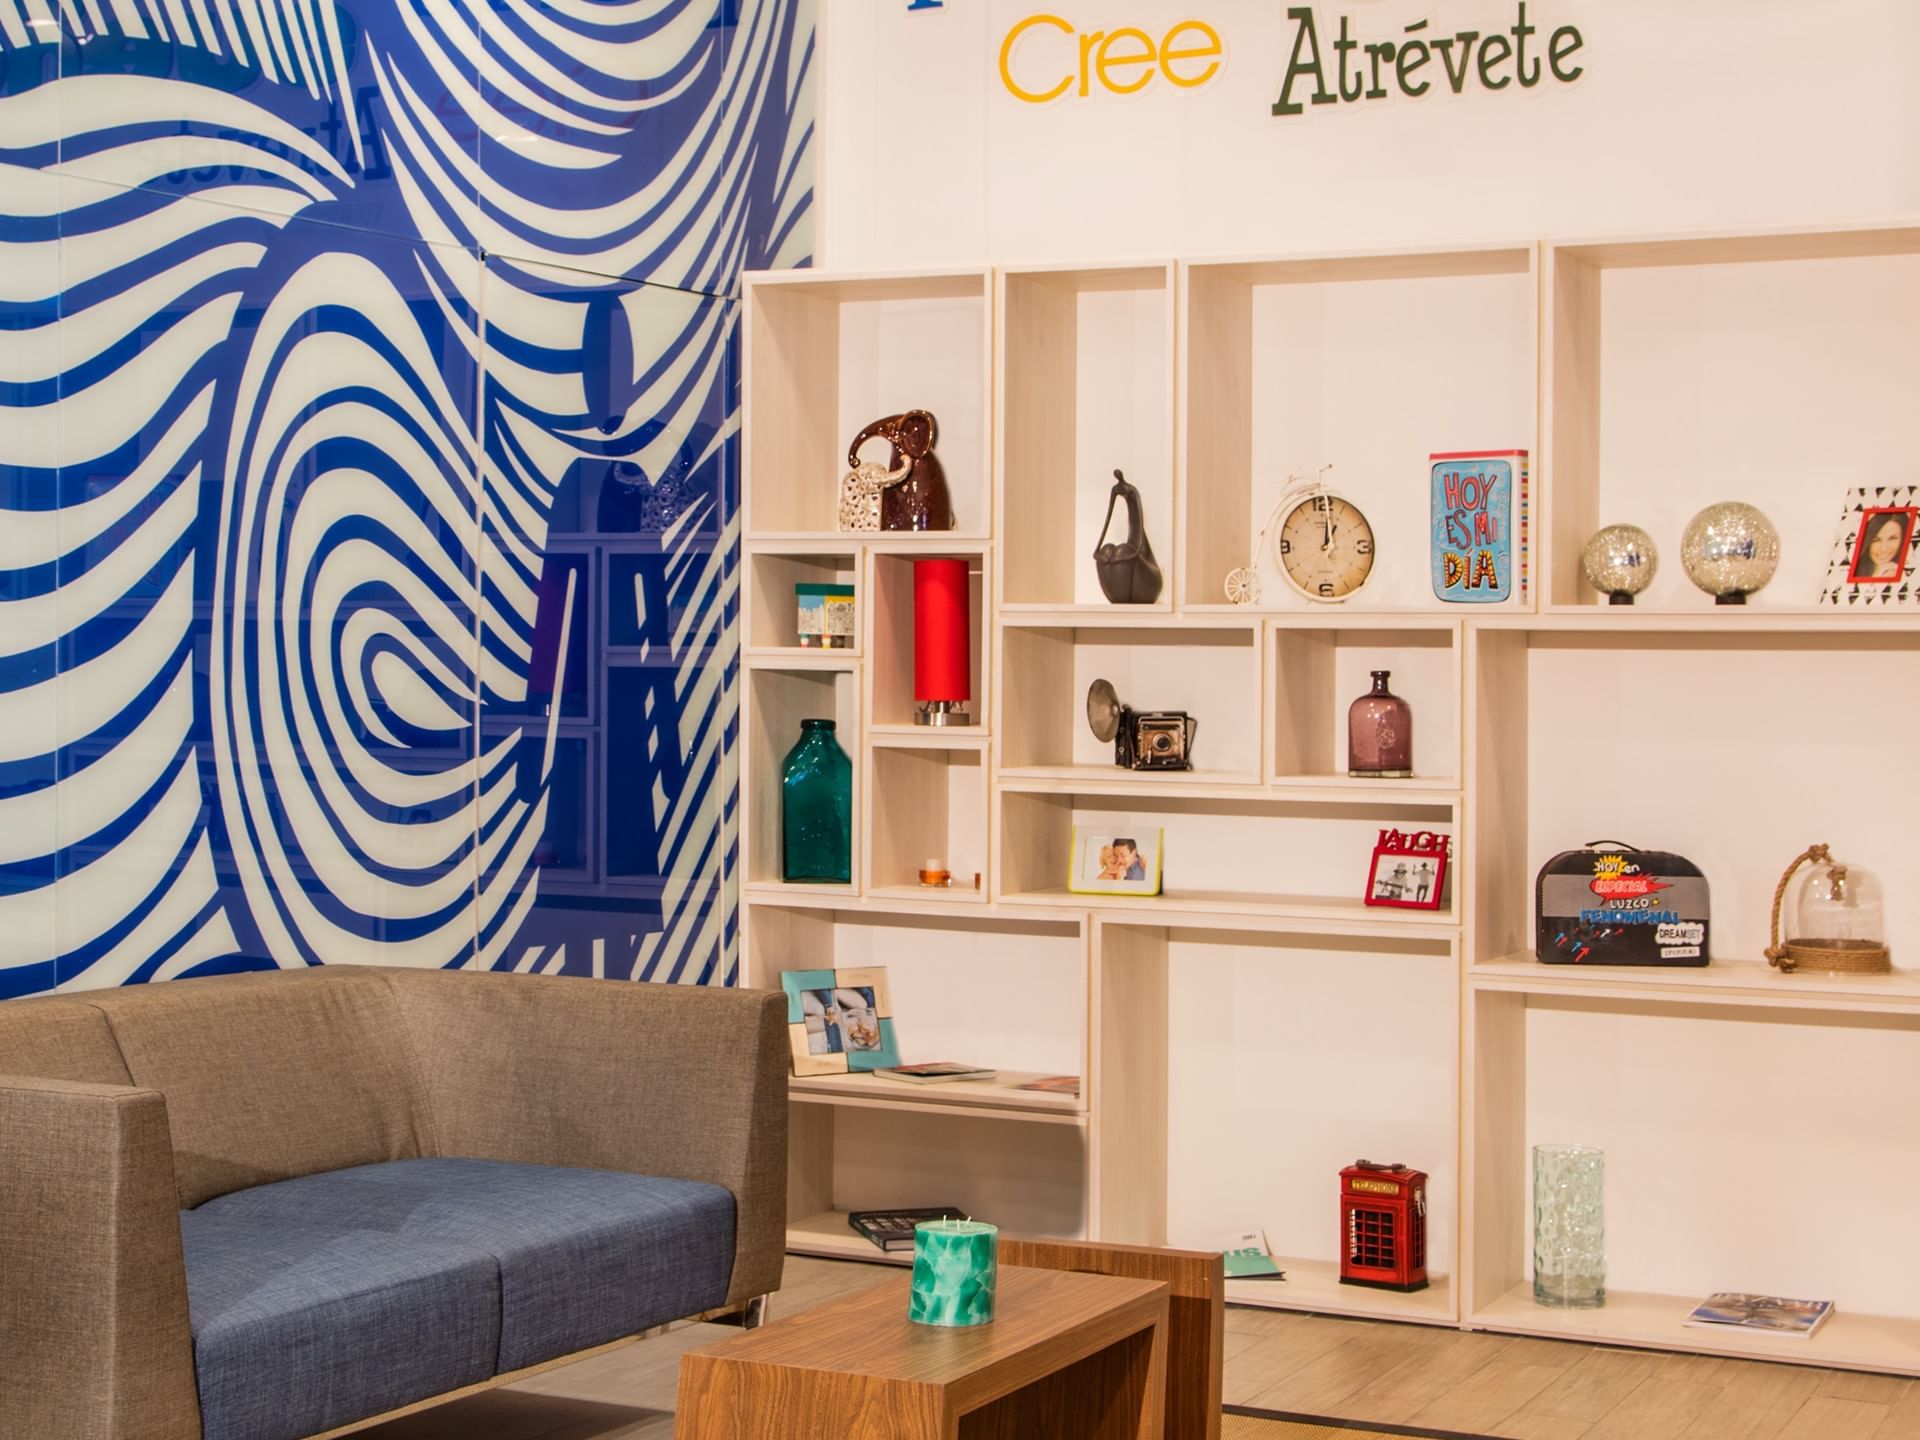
<point x="1355" y="1370"/>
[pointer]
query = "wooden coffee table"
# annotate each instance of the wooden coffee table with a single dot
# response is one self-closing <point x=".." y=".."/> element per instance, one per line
<point x="1078" y="1357"/>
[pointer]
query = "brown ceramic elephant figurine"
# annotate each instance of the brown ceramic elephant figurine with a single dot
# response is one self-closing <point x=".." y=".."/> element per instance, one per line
<point x="919" y="502"/>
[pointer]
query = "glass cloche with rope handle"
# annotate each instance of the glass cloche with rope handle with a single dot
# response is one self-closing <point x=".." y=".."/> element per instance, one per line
<point x="1834" y="917"/>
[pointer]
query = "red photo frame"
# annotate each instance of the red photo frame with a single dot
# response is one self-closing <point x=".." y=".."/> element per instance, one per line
<point x="1888" y="529"/>
<point x="1409" y="870"/>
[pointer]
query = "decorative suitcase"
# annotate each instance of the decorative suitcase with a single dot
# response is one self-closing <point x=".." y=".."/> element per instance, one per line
<point x="1615" y="905"/>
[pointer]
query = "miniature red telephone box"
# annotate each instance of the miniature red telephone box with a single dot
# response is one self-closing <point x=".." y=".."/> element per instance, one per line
<point x="1383" y="1227"/>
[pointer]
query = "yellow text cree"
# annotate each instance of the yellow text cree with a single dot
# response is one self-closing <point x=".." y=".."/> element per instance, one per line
<point x="1120" y="62"/>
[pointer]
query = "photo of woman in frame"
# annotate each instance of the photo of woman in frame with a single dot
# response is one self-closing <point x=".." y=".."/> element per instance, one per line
<point x="1880" y="550"/>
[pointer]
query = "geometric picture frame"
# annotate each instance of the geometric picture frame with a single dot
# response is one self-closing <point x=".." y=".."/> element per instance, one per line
<point x="1875" y="517"/>
<point x="839" y="1021"/>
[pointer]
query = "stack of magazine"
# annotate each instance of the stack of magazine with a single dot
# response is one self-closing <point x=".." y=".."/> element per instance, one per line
<point x="893" y="1229"/>
<point x="1769" y="1314"/>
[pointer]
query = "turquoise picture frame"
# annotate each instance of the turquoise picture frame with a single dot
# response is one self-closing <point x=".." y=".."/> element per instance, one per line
<point x="840" y="1022"/>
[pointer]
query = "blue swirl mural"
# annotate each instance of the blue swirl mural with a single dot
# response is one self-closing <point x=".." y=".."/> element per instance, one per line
<point x="368" y="536"/>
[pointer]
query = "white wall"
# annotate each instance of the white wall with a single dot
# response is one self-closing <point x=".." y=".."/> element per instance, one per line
<point x="1691" y="114"/>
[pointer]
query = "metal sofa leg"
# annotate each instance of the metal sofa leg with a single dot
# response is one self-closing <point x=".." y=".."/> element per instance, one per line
<point x="750" y="1316"/>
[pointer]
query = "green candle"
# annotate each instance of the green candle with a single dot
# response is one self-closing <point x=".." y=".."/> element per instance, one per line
<point x="955" y="1265"/>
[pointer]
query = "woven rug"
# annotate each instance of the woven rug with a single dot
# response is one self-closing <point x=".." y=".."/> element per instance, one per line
<point x="1242" y="1423"/>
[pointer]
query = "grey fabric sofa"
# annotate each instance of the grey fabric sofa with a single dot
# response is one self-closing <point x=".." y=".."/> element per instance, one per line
<point x="265" y="1206"/>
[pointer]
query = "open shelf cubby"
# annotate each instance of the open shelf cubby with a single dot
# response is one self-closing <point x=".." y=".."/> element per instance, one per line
<point x="1226" y="853"/>
<point x="1017" y="1002"/>
<point x="826" y="356"/>
<point x="1367" y="363"/>
<point x="1316" y="673"/>
<point x="891" y="704"/>
<point x="1775" y="369"/>
<point x="777" y="700"/>
<point x="927" y="803"/>
<point x="1086" y="388"/>
<point x="1729" y="1166"/>
<point x="773" y="615"/>
<point x="1686" y="741"/>
<point x="1212" y="673"/>
<point x="1243" y="1036"/>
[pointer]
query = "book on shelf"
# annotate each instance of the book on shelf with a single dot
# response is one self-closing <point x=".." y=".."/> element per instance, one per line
<point x="939" y="1072"/>
<point x="1249" y="1257"/>
<point x="893" y="1229"/>
<point x="1054" y="1085"/>
<point x="1770" y="1314"/>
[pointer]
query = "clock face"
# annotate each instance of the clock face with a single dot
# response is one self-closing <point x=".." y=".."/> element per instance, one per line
<point x="1325" y="547"/>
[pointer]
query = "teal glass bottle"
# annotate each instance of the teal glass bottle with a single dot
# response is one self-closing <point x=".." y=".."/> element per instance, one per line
<point x="816" y="809"/>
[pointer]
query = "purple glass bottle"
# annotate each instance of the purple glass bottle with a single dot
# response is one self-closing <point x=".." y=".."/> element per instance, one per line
<point x="1380" y="734"/>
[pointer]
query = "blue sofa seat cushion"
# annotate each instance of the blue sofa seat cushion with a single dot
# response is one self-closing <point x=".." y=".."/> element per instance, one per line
<point x="584" y="1256"/>
<point x="298" y="1329"/>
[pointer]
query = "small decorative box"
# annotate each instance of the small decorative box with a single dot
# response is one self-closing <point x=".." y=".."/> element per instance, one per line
<point x="1611" y="904"/>
<point x="1479" y="525"/>
<point x="826" y="616"/>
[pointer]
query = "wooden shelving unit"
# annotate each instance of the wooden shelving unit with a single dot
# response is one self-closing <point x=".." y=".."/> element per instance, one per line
<point x="1246" y="1033"/>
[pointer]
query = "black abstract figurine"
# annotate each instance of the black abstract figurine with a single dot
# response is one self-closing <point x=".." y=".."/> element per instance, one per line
<point x="1129" y="575"/>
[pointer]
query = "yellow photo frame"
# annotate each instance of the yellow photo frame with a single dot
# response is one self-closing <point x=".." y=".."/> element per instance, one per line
<point x="1115" y="860"/>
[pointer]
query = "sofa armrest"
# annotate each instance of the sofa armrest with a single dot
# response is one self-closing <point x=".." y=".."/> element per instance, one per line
<point x="681" y="1081"/>
<point x="93" y="1284"/>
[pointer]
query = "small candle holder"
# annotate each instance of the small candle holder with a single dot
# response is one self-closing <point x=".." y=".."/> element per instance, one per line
<point x="934" y="873"/>
<point x="956" y="1269"/>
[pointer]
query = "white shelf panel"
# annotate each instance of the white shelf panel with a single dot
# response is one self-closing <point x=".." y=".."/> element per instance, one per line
<point x="907" y="898"/>
<point x="999" y="1098"/>
<point x="1352" y="917"/>
<point x="1711" y="619"/>
<point x="880" y="542"/>
<point x="829" y="1235"/>
<point x="1418" y="790"/>
<point x="1724" y="982"/>
<point x="1314" y="1285"/>
<point x="912" y="284"/>
<point x="800" y="657"/>
<point x="1224" y="785"/>
<point x="1335" y="617"/>
<point x="1057" y="617"/>
<point x="931" y="737"/>
<point x="1160" y="616"/>
<point x="896" y="901"/>
<point x="830" y="896"/>
<point x="1112" y="780"/>
<point x="1844" y="1342"/>
<point x="781" y="658"/>
<point x="844" y="543"/>
<point x="927" y="737"/>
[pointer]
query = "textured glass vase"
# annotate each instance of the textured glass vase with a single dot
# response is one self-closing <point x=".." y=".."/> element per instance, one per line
<point x="1569" y="1226"/>
<point x="816" y="809"/>
<point x="1380" y="733"/>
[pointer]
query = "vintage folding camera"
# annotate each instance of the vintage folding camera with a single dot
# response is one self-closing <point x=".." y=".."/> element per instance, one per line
<point x="1141" y="739"/>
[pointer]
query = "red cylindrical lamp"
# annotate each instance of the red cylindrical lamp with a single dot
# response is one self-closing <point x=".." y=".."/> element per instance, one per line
<point x="942" y="658"/>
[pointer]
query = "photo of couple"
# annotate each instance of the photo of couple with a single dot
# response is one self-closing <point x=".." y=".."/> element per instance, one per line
<point x="1409" y="870"/>
<point x="1108" y="864"/>
<point x="1405" y="881"/>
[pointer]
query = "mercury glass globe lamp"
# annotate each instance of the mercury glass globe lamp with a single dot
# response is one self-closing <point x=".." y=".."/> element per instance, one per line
<point x="1620" y="562"/>
<point x="1730" y="550"/>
